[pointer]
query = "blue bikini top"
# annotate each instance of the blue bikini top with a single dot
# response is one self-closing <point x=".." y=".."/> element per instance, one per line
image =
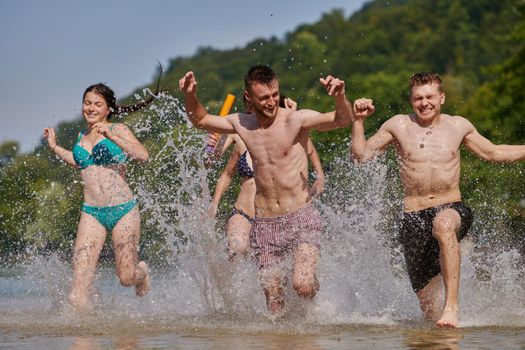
<point x="105" y="152"/>
<point x="243" y="169"/>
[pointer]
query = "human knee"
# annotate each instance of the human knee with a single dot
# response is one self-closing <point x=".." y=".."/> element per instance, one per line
<point x="127" y="278"/>
<point x="445" y="226"/>
<point x="306" y="289"/>
<point x="238" y="243"/>
<point x="239" y="249"/>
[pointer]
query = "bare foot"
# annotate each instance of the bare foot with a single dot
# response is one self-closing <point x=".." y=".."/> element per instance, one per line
<point x="450" y="318"/>
<point x="275" y="311"/>
<point x="78" y="303"/>
<point x="142" y="288"/>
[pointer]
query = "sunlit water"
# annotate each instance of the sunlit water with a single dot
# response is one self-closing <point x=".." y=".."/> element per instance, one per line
<point x="200" y="300"/>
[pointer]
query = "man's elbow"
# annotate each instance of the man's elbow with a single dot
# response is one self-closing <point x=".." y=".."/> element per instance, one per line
<point x="143" y="157"/>
<point x="198" y="121"/>
<point x="344" y="120"/>
<point x="359" y="157"/>
<point x="200" y="124"/>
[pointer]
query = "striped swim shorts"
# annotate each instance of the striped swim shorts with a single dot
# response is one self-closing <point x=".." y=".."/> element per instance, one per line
<point x="274" y="237"/>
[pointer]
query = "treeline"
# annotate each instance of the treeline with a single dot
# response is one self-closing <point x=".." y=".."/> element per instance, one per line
<point x="476" y="46"/>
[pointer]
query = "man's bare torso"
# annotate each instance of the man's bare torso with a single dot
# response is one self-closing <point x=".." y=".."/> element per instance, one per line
<point x="429" y="159"/>
<point x="281" y="175"/>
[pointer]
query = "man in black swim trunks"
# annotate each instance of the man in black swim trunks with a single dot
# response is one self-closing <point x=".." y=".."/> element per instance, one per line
<point x="435" y="219"/>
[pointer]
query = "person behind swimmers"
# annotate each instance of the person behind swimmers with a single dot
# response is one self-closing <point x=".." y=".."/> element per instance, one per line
<point x="101" y="152"/>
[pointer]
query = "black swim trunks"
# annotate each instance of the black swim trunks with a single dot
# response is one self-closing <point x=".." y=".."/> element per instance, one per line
<point x="421" y="248"/>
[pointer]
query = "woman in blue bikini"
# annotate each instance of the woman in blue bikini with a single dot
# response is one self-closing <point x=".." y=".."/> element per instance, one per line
<point x="101" y="153"/>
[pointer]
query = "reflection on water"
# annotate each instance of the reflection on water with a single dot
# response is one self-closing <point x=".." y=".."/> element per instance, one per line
<point x="119" y="343"/>
<point x="353" y="338"/>
<point x="433" y="340"/>
<point x="173" y="317"/>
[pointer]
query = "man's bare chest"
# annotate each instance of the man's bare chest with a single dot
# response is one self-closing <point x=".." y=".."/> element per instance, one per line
<point x="428" y="145"/>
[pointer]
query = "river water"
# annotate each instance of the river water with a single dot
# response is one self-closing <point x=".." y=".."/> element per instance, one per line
<point x="181" y="314"/>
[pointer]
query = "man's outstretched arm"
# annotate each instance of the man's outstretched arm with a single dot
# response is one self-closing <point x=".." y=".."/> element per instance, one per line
<point x="341" y="117"/>
<point x="197" y="114"/>
<point x="484" y="148"/>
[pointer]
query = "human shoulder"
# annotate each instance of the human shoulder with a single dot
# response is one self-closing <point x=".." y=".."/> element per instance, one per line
<point x="457" y="119"/>
<point x="459" y="122"/>
<point x="300" y="112"/>
<point x="241" y="117"/>
<point x="242" y="121"/>
<point x="118" y="127"/>
<point x="298" y="116"/>
<point x="397" y="121"/>
<point x="121" y="130"/>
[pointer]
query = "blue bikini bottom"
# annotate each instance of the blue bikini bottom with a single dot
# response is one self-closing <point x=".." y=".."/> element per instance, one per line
<point x="111" y="215"/>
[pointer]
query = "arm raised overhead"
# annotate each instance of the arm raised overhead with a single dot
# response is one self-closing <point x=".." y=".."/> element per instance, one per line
<point x="197" y="114"/>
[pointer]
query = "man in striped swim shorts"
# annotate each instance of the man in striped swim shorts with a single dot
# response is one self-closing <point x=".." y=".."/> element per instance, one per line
<point x="285" y="222"/>
<point x="274" y="238"/>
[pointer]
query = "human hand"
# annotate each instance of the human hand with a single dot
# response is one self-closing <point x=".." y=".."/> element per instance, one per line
<point x="212" y="140"/>
<point x="317" y="187"/>
<point x="103" y="128"/>
<point x="290" y="104"/>
<point x="51" y="138"/>
<point x="363" y="108"/>
<point x="212" y="210"/>
<point x="334" y="86"/>
<point x="188" y="83"/>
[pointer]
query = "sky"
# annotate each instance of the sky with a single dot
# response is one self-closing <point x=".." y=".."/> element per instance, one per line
<point x="50" y="51"/>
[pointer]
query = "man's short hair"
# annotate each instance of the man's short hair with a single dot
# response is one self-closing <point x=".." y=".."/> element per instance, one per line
<point x="424" y="78"/>
<point x="259" y="74"/>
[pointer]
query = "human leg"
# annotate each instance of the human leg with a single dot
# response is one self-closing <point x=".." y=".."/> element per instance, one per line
<point x="304" y="268"/>
<point x="238" y="235"/>
<point x="266" y="237"/>
<point x="430" y="240"/>
<point x="445" y="229"/>
<point x="273" y="239"/>
<point x="273" y="283"/>
<point x="430" y="298"/>
<point x="88" y="244"/>
<point x="126" y="236"/>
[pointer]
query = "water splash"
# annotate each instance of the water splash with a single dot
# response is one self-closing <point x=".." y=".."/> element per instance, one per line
<point x="361" y="270"/>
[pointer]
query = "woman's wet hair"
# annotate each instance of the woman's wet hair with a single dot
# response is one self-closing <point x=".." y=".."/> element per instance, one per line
<point x="109" y="96"/>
